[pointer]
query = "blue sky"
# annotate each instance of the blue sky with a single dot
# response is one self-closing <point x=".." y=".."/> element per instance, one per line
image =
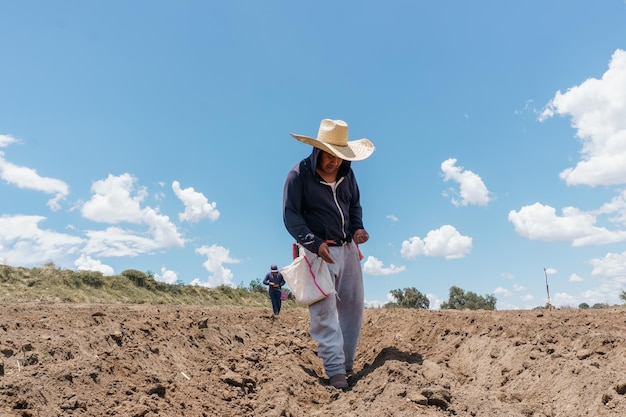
<point x="154" y="135"/>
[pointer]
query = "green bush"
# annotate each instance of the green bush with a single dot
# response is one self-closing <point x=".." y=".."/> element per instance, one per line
<point x="92" y="278"/>
<point x="136" y="277"/>
<point x="459" y="300"/>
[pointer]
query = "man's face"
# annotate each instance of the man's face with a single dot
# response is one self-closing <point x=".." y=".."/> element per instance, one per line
<point x="329" y="163"/>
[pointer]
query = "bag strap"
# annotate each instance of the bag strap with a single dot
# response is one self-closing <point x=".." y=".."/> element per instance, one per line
<point x="314" y="277"/>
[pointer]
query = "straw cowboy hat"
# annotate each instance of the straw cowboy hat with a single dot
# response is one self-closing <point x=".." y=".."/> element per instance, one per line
<point x="332" y="137"/>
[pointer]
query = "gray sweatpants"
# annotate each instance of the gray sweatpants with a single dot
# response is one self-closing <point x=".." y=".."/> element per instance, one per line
<point x="336" y="320"/>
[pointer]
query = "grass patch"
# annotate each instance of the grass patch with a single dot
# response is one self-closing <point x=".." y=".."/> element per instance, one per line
<point x="51" y="284"/>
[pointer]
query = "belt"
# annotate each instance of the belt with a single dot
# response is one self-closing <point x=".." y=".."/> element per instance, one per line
<point x="338" y="242"/>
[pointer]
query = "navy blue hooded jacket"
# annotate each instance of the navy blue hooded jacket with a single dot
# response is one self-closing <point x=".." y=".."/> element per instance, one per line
<point x="312" y="212"/>
<point x="276" y="279"/>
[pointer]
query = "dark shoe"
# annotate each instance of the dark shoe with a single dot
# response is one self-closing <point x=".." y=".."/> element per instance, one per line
<point x="339" y="381"/>
<point x="349" y="372"/>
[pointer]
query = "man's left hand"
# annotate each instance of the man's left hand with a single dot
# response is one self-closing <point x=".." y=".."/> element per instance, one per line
<point x="360" y="236"/>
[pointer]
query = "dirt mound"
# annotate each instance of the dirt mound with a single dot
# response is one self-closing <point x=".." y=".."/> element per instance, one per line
<point x="140" y="360"/>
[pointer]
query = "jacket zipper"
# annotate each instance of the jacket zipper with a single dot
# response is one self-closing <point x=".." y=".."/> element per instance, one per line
<point x="334" y="191"/>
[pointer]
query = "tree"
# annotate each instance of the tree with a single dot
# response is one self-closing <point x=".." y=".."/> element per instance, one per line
<point x="583" y="306"/>
<point x="622" y="296"/>
<point x="409" y="298"/>
<point x="459" y="300"/>
<point x="257" y="286"/>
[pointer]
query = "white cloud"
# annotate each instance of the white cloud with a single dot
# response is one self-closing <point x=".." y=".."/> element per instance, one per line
<point x="598" y="111"/>
<point x="445" y="242"/>
<point x="216" y="257"/>
<point x="87" y="263"/>
<point x="28" y="178"/>
<point x="375" y="303"/>
<point x="164" y="232"/>
<point x="373" y="266"/>
<point x="472" y="189"/>
<point x="168" y="276"/>
<point x="616" y="208"/>
<point x="412" y="248"/>
<point x="197" y="207"/>
<point x="607" y="291"/>
<point x="435" y="302"/>
<point x="392" y="218"/>
<point x="563" y="299"/>
<point x="505" y="305"/>
<point x="113" y="201"/>
<point x="575" y="278"/>
<point x="116" y="200"/>
<point x="23" y="243"/>
<point x="503" y="291"/>
<point x="550" y="271"/>
<point x="540" y="222"/>
<point x="6" y="140"/>
<point x="115" y="241"/>
<point x="613" y="264"/>
<point x="517" y="288"/>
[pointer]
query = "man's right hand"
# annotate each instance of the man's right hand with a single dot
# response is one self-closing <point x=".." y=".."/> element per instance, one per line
<point x="324" y="252"/>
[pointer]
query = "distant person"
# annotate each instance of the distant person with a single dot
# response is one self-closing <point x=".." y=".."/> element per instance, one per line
<point x="274" y="280"/>
<point x="322" y="211"/>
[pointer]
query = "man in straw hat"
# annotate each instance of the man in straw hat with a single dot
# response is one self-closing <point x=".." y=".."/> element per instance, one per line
<point x="322" y="211"/>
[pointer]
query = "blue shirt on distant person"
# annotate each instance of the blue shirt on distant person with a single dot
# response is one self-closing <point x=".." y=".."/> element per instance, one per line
<point x="274" y="280"/>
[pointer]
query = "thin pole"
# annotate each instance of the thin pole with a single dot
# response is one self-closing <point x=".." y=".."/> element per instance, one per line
<point x="547" y="289"/>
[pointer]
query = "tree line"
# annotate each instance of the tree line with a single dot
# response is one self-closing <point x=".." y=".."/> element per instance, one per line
<point x="458" y="299"/>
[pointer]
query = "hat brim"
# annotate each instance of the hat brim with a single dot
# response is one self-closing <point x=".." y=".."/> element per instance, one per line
<point x="356" y="150"/>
